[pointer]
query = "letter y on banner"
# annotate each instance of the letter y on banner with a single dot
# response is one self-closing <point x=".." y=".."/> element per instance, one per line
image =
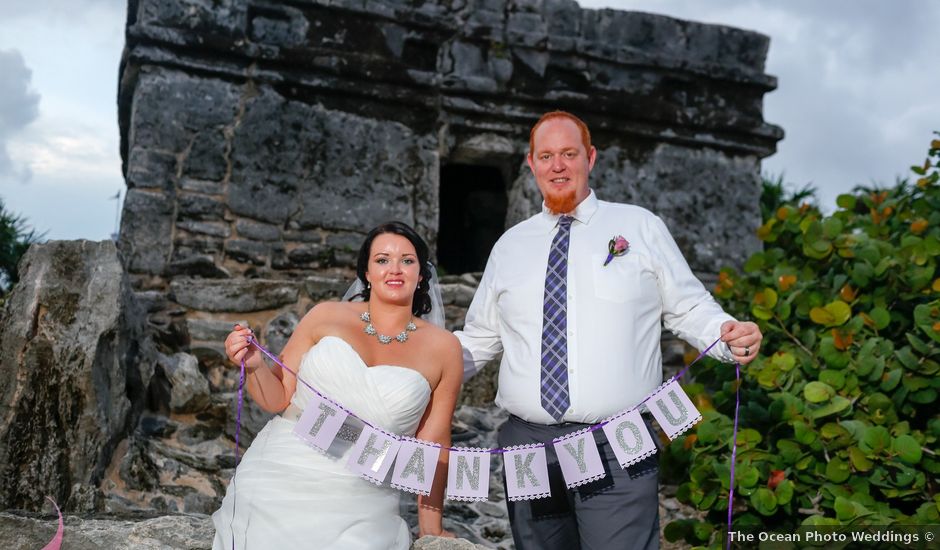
<point x="373" y="454"/>
<point x="579" y="459"/>
<point x="468" y="475"/>
<point x="526" y="472"/>
<point x="673" y="409"/>
<point x="319" y="423"/>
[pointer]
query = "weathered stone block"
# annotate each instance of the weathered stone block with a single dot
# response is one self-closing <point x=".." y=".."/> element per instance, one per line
<point x="189" y="389"/>
<point x="257" y="231"/>
<point x="233" y="296"/>
<point x="248" y="251"/>
<point x="200" y="207"/>
<point x="146" y="230"/>
<point x="320" y="288"/>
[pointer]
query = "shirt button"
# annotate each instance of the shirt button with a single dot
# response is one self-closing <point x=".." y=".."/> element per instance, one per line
<point x="570" y="410"/>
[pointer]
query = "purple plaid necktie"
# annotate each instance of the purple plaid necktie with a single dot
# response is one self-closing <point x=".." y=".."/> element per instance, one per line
<point x="555" y="325"/>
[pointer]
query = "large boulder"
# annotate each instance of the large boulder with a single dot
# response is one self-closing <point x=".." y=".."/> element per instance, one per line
<point x="72" y="376"/>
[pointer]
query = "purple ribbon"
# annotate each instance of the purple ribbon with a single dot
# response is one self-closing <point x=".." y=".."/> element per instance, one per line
<point x="734" y="445"/>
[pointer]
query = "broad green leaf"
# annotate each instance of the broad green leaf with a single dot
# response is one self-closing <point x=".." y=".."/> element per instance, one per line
<point x="834" y="378"/>
<point x="907" y="448"/>
<point x="764" y="501"/>
<point x="859" y="461"/>
<point x="881" y="317"/>
<point x="818" y="392"/>
<point x="836" y="405"/>
<point x="834" y="314"/>
<point x="784" y="492"/>
<point x="875" y="440"/>
<point x="837" y="470"/>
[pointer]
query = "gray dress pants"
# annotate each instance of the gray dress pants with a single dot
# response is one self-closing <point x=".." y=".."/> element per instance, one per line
<point x="617" y="512"/>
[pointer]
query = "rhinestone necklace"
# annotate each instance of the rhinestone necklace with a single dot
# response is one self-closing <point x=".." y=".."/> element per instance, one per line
<point x="402" y="336"/>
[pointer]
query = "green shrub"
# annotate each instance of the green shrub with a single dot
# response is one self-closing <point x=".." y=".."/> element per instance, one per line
<point x="838" y="417"/>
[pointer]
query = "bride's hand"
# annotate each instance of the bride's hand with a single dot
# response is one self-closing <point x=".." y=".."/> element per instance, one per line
<point x="238" y="348"/>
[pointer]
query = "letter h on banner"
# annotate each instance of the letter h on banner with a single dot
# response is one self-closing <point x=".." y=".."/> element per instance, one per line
<point x="673" y="409"/>
<point x="373" y="454"/>
<point x="415" y="466"/>
<point x="320" y="423"/>
<point x="526" y="472"/>
<point x="468" y="474"/>
<point x="579" y="458"/>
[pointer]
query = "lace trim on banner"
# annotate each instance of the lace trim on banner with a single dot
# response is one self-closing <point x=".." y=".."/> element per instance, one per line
<point x="586" y="480"/>
<point x="468" y="499"/>
<point x="404" y="438"/>
<point x="638" y="458"/>
<point x="371" y="479"/>
<point x="685" y="427"/>
<point x="410" y="489"/>
<point x="523" y="447"/>
<point x="573" y="434"/>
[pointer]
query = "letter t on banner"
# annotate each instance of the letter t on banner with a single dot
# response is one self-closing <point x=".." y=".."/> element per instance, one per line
<point x="673" y="409"/>
<point x="373" y="454"/>
<point x="319" y="423"/>
<point x="468" y="475"/>
<point x="579" y="459"/>
<point x="526" y="472"/>
<point x="415" y="466"/>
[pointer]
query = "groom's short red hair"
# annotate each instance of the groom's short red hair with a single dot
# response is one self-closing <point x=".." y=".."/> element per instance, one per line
<point x="585" y="133"/>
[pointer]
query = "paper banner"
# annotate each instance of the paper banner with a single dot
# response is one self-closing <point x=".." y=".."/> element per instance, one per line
<point x="373" y="454"/>
<point x="629" y="438"/>
<point x="526" y="472"/>
<point x="672" y="409"/>
<point x="578" y="457"/>
<point x="320" y="423"/>
<point x="415" y="466"/>
<point x="468" y="474"/>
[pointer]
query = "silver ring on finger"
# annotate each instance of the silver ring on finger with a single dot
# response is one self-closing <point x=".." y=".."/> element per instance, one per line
<point x="747" y="351"/>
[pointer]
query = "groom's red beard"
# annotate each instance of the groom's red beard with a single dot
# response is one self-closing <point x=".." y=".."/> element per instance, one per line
<point x="562" y="202"/>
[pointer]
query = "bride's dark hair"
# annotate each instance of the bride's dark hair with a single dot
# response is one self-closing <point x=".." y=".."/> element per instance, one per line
<point x="422" y="299"/>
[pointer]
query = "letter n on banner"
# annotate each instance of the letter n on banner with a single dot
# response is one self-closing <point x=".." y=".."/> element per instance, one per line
<point x="415" y="465"/>
<point x="629" y="438"/>
<point x="468" y="474"/>
<point x="526" y="472"/>
<point x="579" y="459"/>
<point x="672" y="409"/>
<point x="319" y="423"/>
<point x="373" y="454"/>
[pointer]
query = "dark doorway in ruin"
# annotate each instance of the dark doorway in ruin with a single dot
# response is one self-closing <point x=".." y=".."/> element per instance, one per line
<point x="473" y="216"/>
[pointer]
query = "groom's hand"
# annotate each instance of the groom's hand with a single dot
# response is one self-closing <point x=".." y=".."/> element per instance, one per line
<point x="743" y="338"/>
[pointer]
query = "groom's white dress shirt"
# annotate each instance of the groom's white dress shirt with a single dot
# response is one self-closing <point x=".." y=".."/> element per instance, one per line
<point x="615" y="312"/>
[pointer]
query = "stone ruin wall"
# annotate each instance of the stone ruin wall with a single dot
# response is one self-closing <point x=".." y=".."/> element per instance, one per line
<point x="262" y="139"/>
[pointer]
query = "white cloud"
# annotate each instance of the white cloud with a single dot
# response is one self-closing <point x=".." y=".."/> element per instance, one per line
<point x="19" y="105"/>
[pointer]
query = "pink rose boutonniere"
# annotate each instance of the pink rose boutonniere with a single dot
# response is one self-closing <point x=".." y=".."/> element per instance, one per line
<point x="617" y="246"/>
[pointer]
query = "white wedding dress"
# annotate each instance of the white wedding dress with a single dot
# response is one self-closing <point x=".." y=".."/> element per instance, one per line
<point x="287" y="495"/>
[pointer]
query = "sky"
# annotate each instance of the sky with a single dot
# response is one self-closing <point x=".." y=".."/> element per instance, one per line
<point x="856" y="97"/>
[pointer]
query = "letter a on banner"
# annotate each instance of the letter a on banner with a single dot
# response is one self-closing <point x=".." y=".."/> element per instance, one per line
<point x="629" y="438"/>
<point x="673" y="409"/>
<point x="415" y="465"/>
<point x="468" y="475"/>
<point x="319" y="423"/>
<point x="579" y="459"/>
<point x="526" y="472"/>
<point x="373" y="454"/>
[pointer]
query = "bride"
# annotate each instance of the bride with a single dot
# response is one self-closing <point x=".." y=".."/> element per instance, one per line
<point x="379" y="359"/>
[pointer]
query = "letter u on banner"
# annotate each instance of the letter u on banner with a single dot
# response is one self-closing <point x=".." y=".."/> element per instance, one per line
<point x="468" y="474"/>
<point x="629" y="438"/>
<point x="319" y="423"/>
<point x="373" y="454"/>
<point x="579" y="459"/>
<point x="673" y="409"/>
<point x="415" y="465"/>
<point x="526" y="472"/>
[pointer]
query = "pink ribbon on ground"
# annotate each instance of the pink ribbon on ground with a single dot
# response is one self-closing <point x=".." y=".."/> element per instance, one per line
<point x="56" y="541"/>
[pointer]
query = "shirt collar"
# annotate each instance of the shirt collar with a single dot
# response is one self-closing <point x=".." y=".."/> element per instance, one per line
<point x="582" y="213"/>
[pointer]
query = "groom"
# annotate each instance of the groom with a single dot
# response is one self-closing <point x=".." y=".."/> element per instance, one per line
<point x="580" y="338"/>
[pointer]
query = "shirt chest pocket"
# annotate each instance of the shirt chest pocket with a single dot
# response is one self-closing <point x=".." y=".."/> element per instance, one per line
<point x="621" y="280"/>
